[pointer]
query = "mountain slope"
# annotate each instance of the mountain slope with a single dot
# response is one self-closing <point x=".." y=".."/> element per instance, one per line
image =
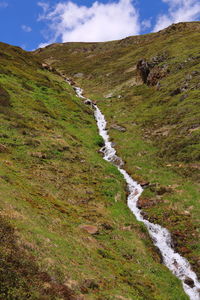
<point x="154" y="122"/>
<point x="110" y="68"/>
<point x="66" y="232"/>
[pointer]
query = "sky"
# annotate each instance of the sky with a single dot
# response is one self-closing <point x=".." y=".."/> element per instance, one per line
<point x="32" y="24"/>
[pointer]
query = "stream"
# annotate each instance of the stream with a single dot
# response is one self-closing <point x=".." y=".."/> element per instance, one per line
<point x="161" y="237"/>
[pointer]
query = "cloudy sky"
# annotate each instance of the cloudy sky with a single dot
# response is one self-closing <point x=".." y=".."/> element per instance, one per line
<point x="31" y="24"/>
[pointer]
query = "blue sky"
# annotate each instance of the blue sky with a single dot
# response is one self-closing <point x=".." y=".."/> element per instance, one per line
<point x="30" y="24"/>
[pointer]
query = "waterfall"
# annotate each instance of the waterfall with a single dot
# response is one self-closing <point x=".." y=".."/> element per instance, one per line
<point x="161" y="237"/>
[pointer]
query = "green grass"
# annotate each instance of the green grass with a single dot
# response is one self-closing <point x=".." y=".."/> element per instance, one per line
<point x="52" y="181"/>
<point x="161" y="144"/>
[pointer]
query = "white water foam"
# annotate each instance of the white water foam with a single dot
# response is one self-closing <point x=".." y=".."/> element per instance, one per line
<point x="161" y="237"/>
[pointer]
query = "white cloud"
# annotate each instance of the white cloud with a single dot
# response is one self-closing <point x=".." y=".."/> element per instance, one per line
<point x="26" y="28"/>
<point x="44" y="6"/>
<point x="146" y="24"/>
<point x="3" y="4"/>
<point x="179" y="11"/>
<point x="97" y="23"/>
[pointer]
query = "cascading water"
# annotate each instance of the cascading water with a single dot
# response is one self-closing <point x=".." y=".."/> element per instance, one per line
<point x="161" y="237"/>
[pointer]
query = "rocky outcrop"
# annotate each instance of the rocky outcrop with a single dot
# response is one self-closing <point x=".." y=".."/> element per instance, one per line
<point x="149" y="73"/>
<point x="143" y="70"/>
<point x="156" y="74"/>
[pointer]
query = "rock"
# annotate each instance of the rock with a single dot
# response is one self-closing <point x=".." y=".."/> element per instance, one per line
<point x="118" y="127"/>
<point x="194" y="129"/>
<point x="160" y="190"/>
<point x="71" y="81"/>
<point x="45" y="66"/>
<point x="3" y="149"/>
<point x="78" y="75"/>
<point x="143" y="70"/>
<point x="110" y="95"/>
<point x="144" y="214"/>
<point x="91" y="229"/>
<point x="80" y="297"/>
<point x="175" y="92"/>
<point x="127" y="228"/>
<point x="4" y="136"/>
<point x="48" y="67"/>
<point x="131" y="69"/>
<point x="155" y="75"/>
<point x="90" y="284"/>
<point x="195" y="73"/>
<point x="71" y="284"/>
<point x="149" y="73"/>
<point x="186" y="213"/>
<point x="189" y="281"/>
<point x="158" y="59"/>
<point x="117" y="161"/>
<point x="183" y="97"/>
<point x="163" y="189"/>
<point x="39" y="155"/>
<point x="184" y="87"/>
<point x="107" y="226"/>
<point x="122" y="298"/>
<point x="158" y="86"/>
<point x="144" y="184"/>
<point x="145" y="202"/>
<point x="188" y="77"/>
<point x="88" y="102"/>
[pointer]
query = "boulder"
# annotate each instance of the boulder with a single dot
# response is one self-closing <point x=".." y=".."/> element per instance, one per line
<point x="118" y="127"/>
<point x="91" y="229"/>
<point x="189" y="281"/>
<point x="88" y="102"/>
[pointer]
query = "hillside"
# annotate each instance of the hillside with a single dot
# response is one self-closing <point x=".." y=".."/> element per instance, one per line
<point x="160" y="142"/>
<point x="66" y="231"/>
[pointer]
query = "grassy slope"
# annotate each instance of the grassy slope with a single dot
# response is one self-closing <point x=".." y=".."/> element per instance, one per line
<point x="52" y="181"/>
<point x="162" y="141"/>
